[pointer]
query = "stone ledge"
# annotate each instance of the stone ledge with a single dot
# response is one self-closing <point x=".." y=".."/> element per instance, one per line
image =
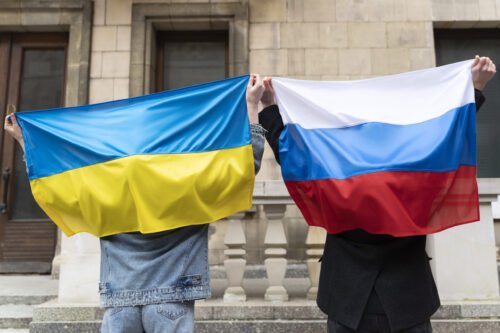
<point x="25" y="300"/>
<point x="295" y="326"/>
<point x="468" y="309"/>
<point x="65" y="327"/>
<point x="256" y="315"/>
<point x="290" y="326"/>
<point x="466" y="326"/>
<point x="15" y="316"/>
<point x="296" y="309"/>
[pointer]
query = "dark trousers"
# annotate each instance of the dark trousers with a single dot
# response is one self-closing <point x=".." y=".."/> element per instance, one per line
<point x="374" y="323"/>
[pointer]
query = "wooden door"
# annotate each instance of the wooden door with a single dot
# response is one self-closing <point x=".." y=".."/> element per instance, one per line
<point x="32" y="76"/>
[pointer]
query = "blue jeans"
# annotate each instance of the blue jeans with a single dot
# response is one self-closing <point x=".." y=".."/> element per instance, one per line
<point x="172" y="317"/>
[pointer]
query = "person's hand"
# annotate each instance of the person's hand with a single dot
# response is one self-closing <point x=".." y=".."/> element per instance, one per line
<point x="483" y="69"/>
<point x="268" y="98"/>
<point x="12" y="127"/>
<point x="255" y="89"/>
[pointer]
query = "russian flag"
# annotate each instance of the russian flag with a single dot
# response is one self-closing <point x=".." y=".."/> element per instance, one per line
<point x="392" y="155"/>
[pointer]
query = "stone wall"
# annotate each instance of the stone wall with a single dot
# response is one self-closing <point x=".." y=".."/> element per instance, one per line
<point x="307" y="39"/>
<point x="110" y="57"/>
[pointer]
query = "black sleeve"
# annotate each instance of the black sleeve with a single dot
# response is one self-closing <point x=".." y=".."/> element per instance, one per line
<point x="270" y="119"/>
<point x="479" y="97"/>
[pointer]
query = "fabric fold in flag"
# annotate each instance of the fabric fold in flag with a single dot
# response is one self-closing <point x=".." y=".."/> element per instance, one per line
<point x="148" y="164"/>
<point x="392" y="155"/>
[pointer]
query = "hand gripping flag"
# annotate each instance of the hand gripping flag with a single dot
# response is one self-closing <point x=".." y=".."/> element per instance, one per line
<point x="392" y="155"/>
<point x="148" y="164"/>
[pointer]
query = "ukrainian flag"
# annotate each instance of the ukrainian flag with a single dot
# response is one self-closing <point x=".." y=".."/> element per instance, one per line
<point x="148" y="164"/>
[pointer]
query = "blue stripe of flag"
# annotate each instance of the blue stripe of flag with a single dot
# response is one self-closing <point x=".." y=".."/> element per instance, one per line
<point x="437" y="145"/>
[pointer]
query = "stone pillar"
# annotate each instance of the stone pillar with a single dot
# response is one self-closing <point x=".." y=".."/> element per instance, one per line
<point x="464" y="261"/>
<point x="56" y="262"/>
<point x="79" y="270"/>
<point x="235" y="263"/>
<point x="315" y="242"/>
<point x="275" y="242"/>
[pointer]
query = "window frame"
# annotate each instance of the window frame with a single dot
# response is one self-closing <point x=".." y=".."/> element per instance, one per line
<point x="443" y="35"/>
<point x="149" y="18"/>
<point x="162" y="37"/>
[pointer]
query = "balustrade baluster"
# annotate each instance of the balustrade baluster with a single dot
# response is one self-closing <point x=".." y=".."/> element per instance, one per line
<point x="275" y="242"/>
<point x="235" y="263"/>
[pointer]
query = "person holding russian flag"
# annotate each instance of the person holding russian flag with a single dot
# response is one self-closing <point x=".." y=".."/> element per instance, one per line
<point x="373" y="278"/>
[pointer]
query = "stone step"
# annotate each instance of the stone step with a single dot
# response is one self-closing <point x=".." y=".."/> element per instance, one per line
<point x="262" y="326"/>
<point x="295" y="309"/>
<point x="319" y="326"/>
<point x="297" y="315"/>
<point x="15" y="316"/>
<point x="65" y="327"/>
<point x="275" y="326"/>
<point x="466" y="325"/>
<point x="25" y="300"/>
<point x="27" y="289"/>
<point x="14" y="330"/>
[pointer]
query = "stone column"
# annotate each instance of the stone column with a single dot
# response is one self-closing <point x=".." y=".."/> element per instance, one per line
<point x="56" y="262"/>
<point x="464" y="261"/>
<point x="235" y="263"/>
<point x="315" y="242"/>
<point x="79" y="272"/>
<point x="275" y="242"/>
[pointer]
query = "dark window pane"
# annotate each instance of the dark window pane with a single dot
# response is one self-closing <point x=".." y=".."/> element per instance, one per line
<point x="24" y="206"/>
<point x="188" y="63"/>
<point x="456" y="45"/>
<point x="41" y="88"/>
<point x="42" y="79"/>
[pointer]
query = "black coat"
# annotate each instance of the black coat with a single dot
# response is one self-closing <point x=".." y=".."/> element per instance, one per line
<point x="362" y="272"/>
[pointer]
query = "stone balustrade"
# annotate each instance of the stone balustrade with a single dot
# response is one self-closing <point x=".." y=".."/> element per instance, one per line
<point x="451" y="250"/>
<point x="464" y="261"/>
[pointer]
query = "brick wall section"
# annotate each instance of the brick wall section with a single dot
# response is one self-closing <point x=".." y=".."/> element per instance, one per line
<point x="110" y="58"/>
<point x="326" y="39"/>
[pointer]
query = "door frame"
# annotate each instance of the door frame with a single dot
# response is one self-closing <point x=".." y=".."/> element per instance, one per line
<point x="12" y="45"/>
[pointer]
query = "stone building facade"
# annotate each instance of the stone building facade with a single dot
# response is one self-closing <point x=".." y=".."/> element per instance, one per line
<point x="116" y="48"/>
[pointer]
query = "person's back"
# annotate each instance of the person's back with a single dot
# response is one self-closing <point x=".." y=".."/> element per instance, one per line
<point x="368" y="282"/>
<point x="381" y="277"/>
<point x="149" y="282"/>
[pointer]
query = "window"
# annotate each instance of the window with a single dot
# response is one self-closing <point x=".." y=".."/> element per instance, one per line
<point x="156" y="24"/>
<point x="461" y="44"/>
<point x="190" y="57"/>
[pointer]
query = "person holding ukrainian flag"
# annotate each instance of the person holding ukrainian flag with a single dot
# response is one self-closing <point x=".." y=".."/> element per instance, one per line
<point x="187" y="157"/>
